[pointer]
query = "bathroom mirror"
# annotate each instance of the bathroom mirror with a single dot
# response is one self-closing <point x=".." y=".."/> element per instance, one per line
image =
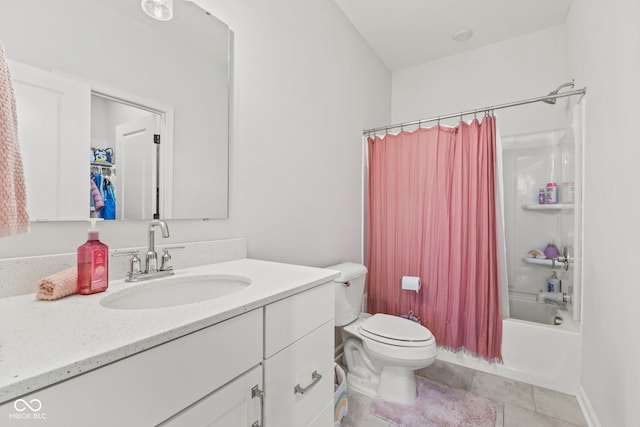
<point x="177" y="70"/>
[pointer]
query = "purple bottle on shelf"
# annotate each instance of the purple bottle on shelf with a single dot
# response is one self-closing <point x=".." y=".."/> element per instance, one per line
<point x="551" y="251"/>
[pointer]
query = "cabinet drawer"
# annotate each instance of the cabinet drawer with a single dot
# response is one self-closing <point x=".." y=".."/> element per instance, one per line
<point x="290" y="319"/>
<point x="232" y="405"/>
<point x="294" y="366"/>
<point x="153" y="385"/>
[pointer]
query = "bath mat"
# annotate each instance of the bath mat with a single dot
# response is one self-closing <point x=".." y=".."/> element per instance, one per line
<point x="437" y="406"/>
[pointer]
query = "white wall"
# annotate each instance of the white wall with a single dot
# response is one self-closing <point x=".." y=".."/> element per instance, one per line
<point x="306" y="84"/>
<point x="519" y="68"/>
<point x="603" y="47"/>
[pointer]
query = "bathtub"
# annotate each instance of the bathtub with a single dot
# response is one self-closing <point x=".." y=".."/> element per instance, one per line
<point x="538" y="353"/>
<point x="531" y="311"/>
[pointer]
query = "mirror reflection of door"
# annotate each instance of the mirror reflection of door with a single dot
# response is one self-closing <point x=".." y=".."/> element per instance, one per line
<point x="53" y="129"/>
<point x="128" y="132"/>
<point x="137" y="174"/>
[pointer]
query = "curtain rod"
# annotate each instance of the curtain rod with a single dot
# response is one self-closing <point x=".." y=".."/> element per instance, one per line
<point x="478" y="110"/>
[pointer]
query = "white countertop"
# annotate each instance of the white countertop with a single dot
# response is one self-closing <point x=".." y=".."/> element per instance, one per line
<point x="44" y="342"/>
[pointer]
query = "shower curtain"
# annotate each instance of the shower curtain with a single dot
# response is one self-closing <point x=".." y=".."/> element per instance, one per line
<point x="431" y="213"/>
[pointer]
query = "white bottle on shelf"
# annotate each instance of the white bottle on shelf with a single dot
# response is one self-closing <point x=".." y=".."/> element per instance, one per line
<point x="552" y="193"/>
<point x="553" y="283"/>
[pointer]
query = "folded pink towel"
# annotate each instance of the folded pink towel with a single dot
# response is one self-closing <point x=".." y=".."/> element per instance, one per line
<point x="58" y="285"/>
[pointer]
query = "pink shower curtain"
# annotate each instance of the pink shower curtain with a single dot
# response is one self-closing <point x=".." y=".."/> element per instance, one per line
<point x="431" y="213"/>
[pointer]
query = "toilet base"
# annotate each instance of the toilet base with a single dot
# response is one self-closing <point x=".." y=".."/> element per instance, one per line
<point x="397" y="384"/>
<point x="391" y="383"/>
<point x="362" y="385"/>
<point x="362" y="375"/>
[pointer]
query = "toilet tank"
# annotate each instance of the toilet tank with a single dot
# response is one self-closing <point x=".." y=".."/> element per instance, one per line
<point x="349" y="291"/>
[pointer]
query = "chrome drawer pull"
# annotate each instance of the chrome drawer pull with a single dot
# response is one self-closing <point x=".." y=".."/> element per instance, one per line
<point x="315" y="378"/>
<point x="256" y="392"/>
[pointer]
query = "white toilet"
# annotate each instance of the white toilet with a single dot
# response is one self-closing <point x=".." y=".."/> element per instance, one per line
<point x="381" y="351"/>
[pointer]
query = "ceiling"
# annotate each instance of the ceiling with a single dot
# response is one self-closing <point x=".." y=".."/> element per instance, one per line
<point x="405" y="33"/>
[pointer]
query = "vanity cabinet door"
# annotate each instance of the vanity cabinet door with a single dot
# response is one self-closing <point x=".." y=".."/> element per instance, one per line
<point x="294" y="395"/>
<point x="232" y="405"/>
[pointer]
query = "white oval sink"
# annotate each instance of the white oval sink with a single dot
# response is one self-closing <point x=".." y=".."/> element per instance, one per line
<point x="175" y="291"/>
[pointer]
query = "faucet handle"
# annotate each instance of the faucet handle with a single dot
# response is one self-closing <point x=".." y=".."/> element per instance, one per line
<point x="166" y="257"/>
<point x="134" y="264"/>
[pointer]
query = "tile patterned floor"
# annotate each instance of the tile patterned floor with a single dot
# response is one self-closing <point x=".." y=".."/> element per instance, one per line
<point x="517" y="404"/>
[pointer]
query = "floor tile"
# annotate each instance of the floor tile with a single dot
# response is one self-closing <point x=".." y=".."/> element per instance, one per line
<point x="449" y="374"/>
<point x="358" y="414"/>
<point x="515" y="416"/>
<point x="558" y="405"/>
<point x="499" y="414"/>
<point x="503" y="389"/>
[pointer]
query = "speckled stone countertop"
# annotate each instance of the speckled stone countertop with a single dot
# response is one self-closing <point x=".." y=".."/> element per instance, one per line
<point x="45" y="342"/>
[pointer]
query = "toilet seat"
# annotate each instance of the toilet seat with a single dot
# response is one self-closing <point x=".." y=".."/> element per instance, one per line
<point x="396" y="331"/>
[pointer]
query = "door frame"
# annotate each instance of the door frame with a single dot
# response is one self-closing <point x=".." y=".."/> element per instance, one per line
<point x="166" y="114"/>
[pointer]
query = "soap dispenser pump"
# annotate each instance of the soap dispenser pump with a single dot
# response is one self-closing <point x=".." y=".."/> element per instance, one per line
<point x="93" y="263"/>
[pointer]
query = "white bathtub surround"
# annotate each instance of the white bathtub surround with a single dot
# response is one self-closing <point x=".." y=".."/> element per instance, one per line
<point x="76" y="334"/>
<point x="20" y="276"/>
<point x="530" y="161"/>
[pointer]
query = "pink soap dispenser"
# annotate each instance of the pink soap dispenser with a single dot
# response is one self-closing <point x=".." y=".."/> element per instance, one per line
<point x="93" y="264"/>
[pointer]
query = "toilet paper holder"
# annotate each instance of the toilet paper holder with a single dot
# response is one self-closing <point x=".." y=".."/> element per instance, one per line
<point x="410" y="283"/>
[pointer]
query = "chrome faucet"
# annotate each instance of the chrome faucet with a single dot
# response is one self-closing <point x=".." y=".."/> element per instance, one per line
<point x="151" y="259"/>
<point x="151" y="270"/>
<point x="557" y="298"/>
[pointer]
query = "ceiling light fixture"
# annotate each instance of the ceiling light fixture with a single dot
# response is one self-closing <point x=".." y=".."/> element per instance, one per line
<point x="162" y="10"/>
<point x="462" y="35"/>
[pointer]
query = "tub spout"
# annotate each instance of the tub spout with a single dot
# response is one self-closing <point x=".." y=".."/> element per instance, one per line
<point x="553" y="297"/>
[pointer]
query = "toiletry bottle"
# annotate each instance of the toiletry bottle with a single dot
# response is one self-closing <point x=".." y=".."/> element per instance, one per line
<point x="553" y="283"/>
<point x="552" y="193"/>
<point x="551" y="251"/>
<point x="541" y="196"/>
<point x="568" y="192"/>
<point x="93" y="264"/>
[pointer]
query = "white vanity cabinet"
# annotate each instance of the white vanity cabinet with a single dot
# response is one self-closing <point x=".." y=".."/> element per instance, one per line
<point x="269" y="367"/>
<point x="152" y="386"/>
<point x="298" y="365"/>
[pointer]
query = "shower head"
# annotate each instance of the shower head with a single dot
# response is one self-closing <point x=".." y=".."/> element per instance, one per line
<point x="555" y="92"/>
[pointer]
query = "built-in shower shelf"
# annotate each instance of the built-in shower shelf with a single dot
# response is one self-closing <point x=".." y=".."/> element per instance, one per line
<point x="543" y="261"/>
<point x="553" y="208"/>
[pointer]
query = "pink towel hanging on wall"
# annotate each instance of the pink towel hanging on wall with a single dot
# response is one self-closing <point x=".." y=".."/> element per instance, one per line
<point x="13" y="195"/>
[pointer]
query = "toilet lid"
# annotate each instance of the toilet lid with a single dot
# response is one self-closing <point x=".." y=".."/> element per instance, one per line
<point x="396" y="330"/>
